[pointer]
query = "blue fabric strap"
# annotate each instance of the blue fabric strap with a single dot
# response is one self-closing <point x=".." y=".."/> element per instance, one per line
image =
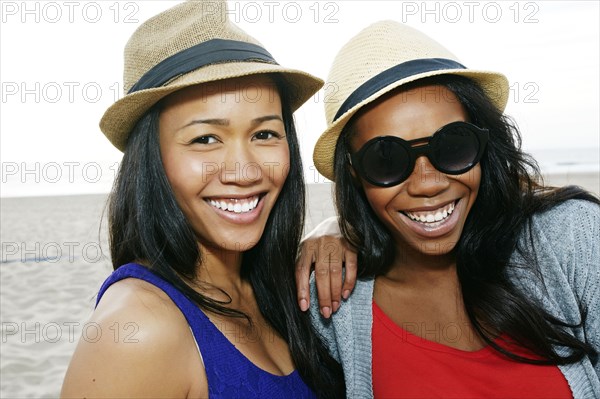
<point x="394" y="74"/>
<point x="206" y="53"/>
<point x="229" y="373"/>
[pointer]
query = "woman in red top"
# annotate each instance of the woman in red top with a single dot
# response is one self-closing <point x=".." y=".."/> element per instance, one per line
<point x="467" y="288"/>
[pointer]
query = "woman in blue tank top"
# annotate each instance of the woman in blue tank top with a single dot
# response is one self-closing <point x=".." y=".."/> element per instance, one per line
<point x="205" y="218"/>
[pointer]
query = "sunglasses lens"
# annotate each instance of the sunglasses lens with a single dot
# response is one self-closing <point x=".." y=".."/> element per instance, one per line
<point x="455" y="149"/>
<point x="385" y="162"/>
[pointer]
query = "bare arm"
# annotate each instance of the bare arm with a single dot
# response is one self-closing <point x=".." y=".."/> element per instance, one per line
<point x="328" y="251"/>
<point x="134" y="346"/>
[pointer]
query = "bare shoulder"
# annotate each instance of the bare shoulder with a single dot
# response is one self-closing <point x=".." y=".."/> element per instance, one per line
<point x="137" y="299"/>
<point x="142" y="341"/>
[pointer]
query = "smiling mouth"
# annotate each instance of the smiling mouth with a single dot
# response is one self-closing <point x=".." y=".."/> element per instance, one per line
<point x="235" y="205"/>
<point x="434" y="217"/>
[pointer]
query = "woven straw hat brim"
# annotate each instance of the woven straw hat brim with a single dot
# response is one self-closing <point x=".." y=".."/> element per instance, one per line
<point x="494" y="84"/>
<point x="120" y="118"/>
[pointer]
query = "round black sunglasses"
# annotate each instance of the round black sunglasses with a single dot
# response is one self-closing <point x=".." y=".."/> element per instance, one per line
<point x="387" y="161"/>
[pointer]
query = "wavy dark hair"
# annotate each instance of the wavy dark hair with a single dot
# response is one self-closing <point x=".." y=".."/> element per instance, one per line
<point x="146" y="224"/>
<point x="509" y="194"/>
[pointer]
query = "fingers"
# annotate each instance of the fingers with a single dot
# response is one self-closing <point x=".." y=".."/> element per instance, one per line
<point x="329" y="254"/>
<point x="303" y="267"/>
<point x="350" y="263"/>
<point x="328" y="274"/>
<point x="322" y="281"/>
<point x="336" y="278"/>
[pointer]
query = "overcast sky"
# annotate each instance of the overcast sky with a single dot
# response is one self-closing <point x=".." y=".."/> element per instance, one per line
<point x="61" y="67"/>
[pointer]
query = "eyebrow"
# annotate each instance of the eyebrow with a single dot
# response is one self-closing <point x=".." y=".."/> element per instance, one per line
<point x="266" y="118"/>
<point x="217" y="122"/>
<point x="225" y="122"/>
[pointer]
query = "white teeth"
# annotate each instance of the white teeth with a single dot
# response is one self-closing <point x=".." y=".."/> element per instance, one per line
<point x="235" y="205"/>
<point x="431" y="217"/>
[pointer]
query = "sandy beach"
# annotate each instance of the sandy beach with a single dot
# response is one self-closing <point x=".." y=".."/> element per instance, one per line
<point x="53" y="261"/>
<point x="51" y="268"/>
<point x="54" y="257"/>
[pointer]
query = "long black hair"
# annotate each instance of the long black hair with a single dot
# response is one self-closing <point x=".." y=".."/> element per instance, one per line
<point x="509" y="194"/>
<point x="146" y="224"/>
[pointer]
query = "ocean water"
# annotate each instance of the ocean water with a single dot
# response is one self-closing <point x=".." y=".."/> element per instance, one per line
<point x="557" y="161"/>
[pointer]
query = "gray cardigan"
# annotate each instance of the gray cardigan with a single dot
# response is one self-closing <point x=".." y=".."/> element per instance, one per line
<point x="567" y="241"/>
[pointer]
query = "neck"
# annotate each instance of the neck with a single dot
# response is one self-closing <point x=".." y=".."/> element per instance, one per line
<point x="220" y="269"/>
<point x="415" y="266"/>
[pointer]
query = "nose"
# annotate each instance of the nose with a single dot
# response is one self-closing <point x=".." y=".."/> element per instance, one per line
<point x="240" y="165"/>
<point x="426" y="180"/>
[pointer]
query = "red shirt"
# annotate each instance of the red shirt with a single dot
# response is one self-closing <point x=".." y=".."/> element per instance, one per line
<point x="408" y="366"/>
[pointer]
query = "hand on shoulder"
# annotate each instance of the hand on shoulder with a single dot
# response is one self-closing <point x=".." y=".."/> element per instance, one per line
<point x="335" y="267"/>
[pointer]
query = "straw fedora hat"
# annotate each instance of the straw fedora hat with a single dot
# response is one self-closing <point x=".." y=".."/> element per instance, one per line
<point x="191" y="43"/>
<point x="382" y="57"/>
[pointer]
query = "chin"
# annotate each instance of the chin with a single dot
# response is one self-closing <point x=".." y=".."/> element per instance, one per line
<point x="238" y="242"/>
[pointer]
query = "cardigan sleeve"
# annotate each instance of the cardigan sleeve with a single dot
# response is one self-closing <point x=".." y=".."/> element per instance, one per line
<point x="585" y="269"/>
<point x="323" y="326"/>
<point x="570" y="235"/>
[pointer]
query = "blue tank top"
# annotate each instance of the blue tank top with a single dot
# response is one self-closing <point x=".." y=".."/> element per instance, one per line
<point x="230" y="374"/>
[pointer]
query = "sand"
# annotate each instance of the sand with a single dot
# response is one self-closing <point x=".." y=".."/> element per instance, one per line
<point x="50" y="272"/>
<point x="53" y="260"/>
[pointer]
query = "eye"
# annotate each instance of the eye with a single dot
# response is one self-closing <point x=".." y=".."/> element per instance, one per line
<point x="208" y="139"/>
<point x="266" y="135"/>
